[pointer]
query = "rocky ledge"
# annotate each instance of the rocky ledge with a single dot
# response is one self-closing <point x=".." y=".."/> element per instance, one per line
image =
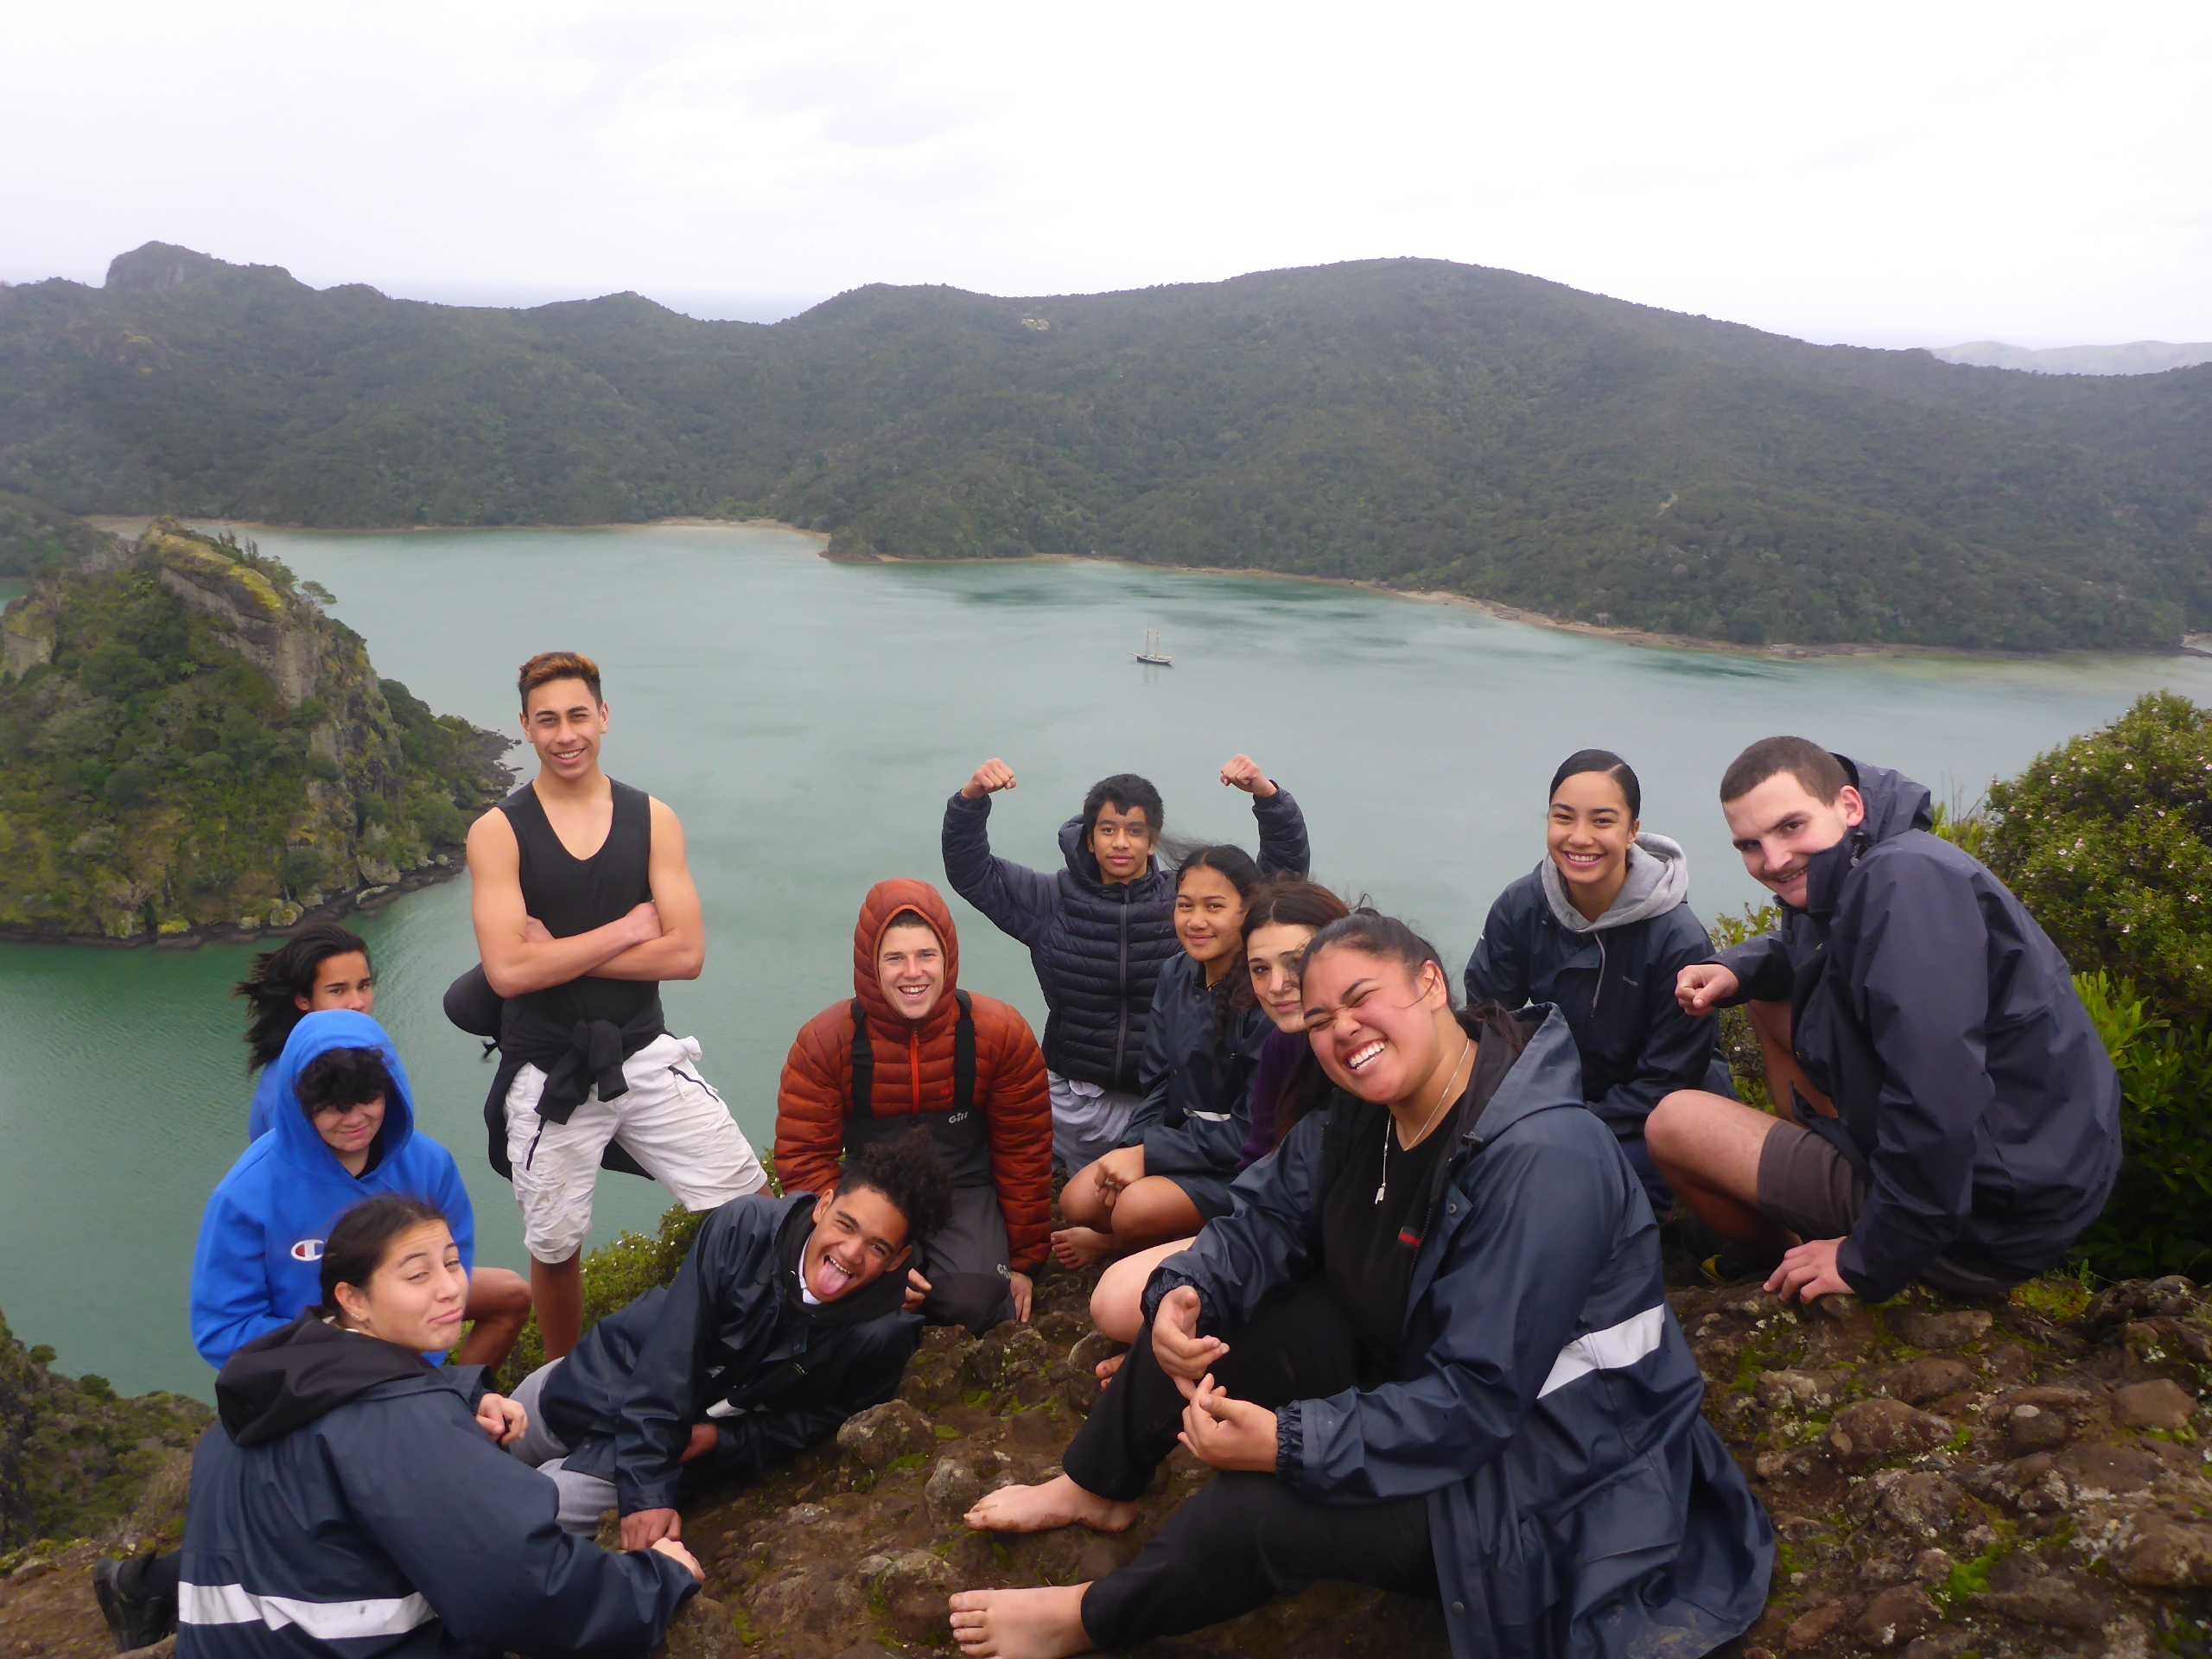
<point x="2017" y="1479"/>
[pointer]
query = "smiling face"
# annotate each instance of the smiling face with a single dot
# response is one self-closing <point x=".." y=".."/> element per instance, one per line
<point x="1210" y="919"/>
<point x="1121" y="841"/>
<point x="859" y="1236"/>
<point x="1274" y="953"/>
<point x="910" y="964"/>
<point x="417" y="1294"/>
<point x="1588" y="834"/>
<point x="1779" y="825"/>
<point x="1378" y="1031"/>
<point x="341" y="981"/>
<point x="564" y="724"/>
<point x="349" y="1131"/>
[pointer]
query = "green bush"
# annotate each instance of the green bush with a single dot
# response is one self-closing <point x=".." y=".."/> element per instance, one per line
<point x="2107" y="840"/>
<point x="2159" y="1218"/>
<point x="1739" y="1042"/>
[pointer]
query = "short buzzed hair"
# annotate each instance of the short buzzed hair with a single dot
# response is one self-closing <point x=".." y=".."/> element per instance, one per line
<point x="551" y="665"/>
<point x="1821" y="772"/>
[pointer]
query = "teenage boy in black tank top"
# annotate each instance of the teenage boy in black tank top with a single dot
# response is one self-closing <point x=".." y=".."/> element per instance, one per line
<point x="583" y="903"/>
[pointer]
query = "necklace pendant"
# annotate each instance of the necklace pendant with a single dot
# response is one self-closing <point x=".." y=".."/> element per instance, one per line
<point x="1380" y="1191"/>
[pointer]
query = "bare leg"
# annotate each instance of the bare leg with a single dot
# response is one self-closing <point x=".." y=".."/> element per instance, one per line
<point x="1090" y="1209"/>
<point x="1708" y="1149"/>
<point x="1058" y="1502"/>
<point x="558" y="1289"/>
<point x="1153" y="1211"/>
<point x="1117" y="1306"/>
<point x="1044" y="1624"/>
<point x="498" y="1304"/>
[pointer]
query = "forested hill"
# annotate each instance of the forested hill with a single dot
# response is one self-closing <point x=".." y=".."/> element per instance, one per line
<point x="1427" y="425"/>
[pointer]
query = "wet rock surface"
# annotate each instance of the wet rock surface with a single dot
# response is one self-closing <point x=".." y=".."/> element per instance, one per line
<point x="2023" y="1479"/>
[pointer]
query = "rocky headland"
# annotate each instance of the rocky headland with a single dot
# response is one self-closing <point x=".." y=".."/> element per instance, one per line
<point x="191" y="748"/>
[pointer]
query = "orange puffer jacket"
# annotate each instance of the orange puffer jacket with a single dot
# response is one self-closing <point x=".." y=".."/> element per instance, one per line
<point x="913" y="1074"/>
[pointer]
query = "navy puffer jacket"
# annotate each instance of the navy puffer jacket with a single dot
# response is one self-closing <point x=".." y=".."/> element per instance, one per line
<point x="1972" y="1090"/>
<point x="1545" y="1399"/>
<point x="1098" y="949"/>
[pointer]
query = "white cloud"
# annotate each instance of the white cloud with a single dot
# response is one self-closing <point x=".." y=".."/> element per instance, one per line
<point x="1890" y="173"/>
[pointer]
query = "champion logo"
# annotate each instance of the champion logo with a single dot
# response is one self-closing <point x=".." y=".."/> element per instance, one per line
<point x="308" y="1250"/>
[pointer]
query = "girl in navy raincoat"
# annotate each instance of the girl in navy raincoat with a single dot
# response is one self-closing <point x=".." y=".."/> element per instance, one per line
<point x="352" y="1500"/>
<point x="1430" y="1351"/>
<point x="1599" y="929"/>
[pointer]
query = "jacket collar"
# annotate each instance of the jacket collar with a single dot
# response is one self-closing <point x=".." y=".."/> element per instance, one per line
<point x="1082" y="865"/>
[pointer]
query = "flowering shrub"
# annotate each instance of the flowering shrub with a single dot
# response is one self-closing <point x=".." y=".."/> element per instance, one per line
<point x="2109" y="842"/>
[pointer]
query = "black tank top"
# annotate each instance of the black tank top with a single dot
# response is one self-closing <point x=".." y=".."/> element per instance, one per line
<point x="574" y="895"/>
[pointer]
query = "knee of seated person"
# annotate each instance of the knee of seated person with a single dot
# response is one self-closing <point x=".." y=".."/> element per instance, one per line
<point x="1154" y="1206"/>
<point x="1663" y="1130"/>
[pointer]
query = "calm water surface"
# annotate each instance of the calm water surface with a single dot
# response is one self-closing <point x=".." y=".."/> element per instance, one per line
<point x="808" y="721"/>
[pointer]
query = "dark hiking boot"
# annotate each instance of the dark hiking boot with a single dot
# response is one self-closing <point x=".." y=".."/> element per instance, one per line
<point x="139" y="1611"/>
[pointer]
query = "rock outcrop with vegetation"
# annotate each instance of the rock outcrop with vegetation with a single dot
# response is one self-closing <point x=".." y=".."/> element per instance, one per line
<point x="1408" y="421"/>
<point x="188" y="744"/>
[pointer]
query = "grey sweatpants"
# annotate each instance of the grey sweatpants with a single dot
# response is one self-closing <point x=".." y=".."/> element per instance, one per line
<point x="584" y="1498"/>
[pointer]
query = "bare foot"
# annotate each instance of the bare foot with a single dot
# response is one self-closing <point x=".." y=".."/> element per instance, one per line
<point x="1044" y="1624"/>
<point x="1058" y="1502"/>
<point x="1077" y="1247"/>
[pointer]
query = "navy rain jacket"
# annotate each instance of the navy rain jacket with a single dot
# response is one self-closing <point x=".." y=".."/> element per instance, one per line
<point x="1613" y="982"/>
<point x="1579" y="1505"/>
<point x="1972" y="1091"/>
<point x="1098" y="949"/>
<point x="1197" y="1075"/>
<point x="730" y="1341"/>
<point x="349" y="1503"/>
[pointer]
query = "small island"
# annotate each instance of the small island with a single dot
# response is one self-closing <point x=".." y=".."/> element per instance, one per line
<point x="191" y="749"/>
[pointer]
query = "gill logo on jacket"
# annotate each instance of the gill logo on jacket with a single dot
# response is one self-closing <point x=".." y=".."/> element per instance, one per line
<point x="957" y="1118"/>
<point x="308" y="1250"/>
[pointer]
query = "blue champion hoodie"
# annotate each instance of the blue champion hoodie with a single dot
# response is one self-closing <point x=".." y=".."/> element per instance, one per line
<point x="259" y="1263"/>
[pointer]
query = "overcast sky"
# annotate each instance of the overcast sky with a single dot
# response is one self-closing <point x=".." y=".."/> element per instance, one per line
<point x="1917" y="173"/>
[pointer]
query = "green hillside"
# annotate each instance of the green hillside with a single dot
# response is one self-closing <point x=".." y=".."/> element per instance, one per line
<point x="1413" y="422"/>
<point x="188" y="744"/>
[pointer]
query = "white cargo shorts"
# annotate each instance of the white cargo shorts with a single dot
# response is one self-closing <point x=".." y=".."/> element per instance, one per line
<point x="1087" y="1121"/>
<point x="669" y="1119"/>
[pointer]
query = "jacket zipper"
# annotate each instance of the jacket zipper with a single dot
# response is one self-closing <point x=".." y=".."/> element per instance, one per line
<point x="1122" y="997"/>
<point x="914" y="1073"/>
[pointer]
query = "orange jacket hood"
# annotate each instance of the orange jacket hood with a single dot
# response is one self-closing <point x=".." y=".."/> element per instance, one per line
<point x="886" y="900"/>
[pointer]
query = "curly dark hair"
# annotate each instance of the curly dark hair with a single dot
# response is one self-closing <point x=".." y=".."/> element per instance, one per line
<point x="341" y="1078"/>
<point x="909" y="1172"/>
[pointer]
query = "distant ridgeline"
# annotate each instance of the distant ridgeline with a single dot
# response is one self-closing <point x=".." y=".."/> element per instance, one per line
<point x="188" y="744"/>
<point x="1421" y="423"/>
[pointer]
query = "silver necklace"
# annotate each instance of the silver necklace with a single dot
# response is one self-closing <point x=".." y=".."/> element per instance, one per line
<point x="1451" y="1094"/>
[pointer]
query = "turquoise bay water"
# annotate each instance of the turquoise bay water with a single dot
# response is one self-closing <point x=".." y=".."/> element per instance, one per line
<point x="808" y="721"/>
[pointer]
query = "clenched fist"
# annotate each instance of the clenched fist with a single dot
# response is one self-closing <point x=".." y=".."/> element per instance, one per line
<point x="991" y="776"/>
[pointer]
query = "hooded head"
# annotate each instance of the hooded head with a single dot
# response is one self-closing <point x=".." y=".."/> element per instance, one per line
<point x="1658" y="879"/>
<point x="315" y="1035"/>
<point x="884" y="903"/>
